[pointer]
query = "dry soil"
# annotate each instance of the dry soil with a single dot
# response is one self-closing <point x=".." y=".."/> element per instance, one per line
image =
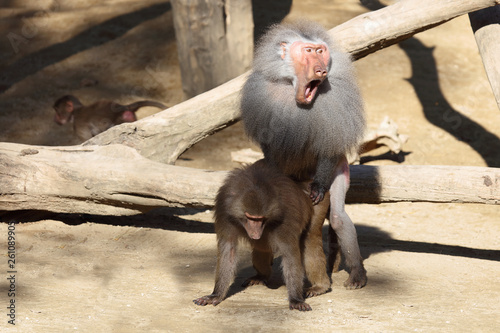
<point x="431" y="267"/>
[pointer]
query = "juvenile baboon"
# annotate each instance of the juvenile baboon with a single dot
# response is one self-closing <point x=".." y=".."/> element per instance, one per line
<point x="273" y="213"/>
<point x="88" y="121"/>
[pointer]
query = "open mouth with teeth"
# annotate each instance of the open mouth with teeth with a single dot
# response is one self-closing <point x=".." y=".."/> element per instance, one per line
<point x="308" y="91"/>
<point x="311" y="89"/>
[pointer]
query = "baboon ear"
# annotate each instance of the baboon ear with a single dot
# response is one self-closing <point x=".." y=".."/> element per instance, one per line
<point x="283" y="50"/>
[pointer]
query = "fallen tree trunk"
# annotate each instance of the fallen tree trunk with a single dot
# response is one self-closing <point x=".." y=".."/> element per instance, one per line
<point x="116" y="180"/>
<point x="165" y="135"/>
<point x="107" y="180"/>
<point x="486" y="26"/>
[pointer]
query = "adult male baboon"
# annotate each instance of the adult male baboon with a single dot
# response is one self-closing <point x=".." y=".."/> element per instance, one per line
<point x="302" y="105"/>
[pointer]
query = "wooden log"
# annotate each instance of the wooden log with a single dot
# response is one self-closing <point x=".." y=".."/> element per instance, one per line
<point x="214" y="41"/>
<point x="367" y="33"/>
<point x="107" y="180"/>
<point x="165" y="135"/>
<point x="116" y="180"/>
<point x="486" y="26"/>
<point x="429" y="183"/>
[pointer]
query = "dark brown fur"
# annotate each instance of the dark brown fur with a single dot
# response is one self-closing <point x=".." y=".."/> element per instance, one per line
<point x="308" y="141"/>
<point x="282" y="205"/>
<point x="88" y="121"/>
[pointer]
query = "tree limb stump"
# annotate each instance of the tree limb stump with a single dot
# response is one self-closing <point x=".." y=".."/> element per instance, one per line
<point x="214" y="41"/>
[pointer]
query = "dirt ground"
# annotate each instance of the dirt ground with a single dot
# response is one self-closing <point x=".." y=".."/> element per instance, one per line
<point x="431" y="267"/>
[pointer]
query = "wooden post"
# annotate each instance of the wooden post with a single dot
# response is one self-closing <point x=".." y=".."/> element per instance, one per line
<point x="214" y="41"/>
<point x="486" y="26"/>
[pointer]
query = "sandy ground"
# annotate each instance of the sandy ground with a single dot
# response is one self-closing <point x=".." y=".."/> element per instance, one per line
<point x="431" y="267"/>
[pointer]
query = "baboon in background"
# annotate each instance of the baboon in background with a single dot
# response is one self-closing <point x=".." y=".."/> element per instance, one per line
<point x="301" y="104"/>
<point x="88" y="121"/>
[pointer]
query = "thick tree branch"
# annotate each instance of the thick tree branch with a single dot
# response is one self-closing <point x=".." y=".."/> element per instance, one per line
<point x="112" y="179"/>
<point x="370" y="32"/>
<point x="116" y="180"/>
